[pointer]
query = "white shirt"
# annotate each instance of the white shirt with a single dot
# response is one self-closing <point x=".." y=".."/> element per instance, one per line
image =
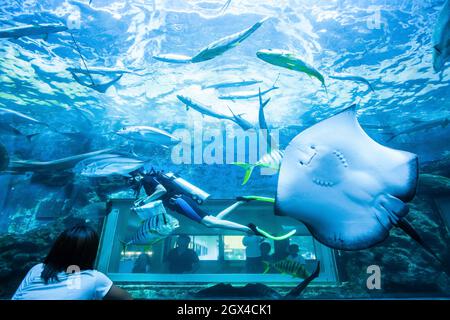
<point x="252" y="244"/>
<point x="85" y="285"/>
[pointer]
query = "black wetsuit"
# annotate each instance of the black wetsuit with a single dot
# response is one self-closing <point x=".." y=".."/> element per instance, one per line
<point x="180" y="203"/>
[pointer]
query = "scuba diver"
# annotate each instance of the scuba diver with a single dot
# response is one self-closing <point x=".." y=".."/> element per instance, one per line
<point x="180" y="196"/>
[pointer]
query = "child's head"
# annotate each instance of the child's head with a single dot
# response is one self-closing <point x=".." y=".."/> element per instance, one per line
<point x="75" y="247"/>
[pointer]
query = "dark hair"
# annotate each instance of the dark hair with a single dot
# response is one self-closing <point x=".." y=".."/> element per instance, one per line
<point x="76" y="246"/>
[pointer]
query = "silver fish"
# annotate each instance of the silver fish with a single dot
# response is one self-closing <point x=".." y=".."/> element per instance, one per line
<point x="32" y="30"/>
<point x="350" y="77"/>
<point x="245" y="95"/>
<point x="203" y="109"/>
<point x="149" y="134"/>
<point x="214" y="49"/>
<point x="111" y="166"/>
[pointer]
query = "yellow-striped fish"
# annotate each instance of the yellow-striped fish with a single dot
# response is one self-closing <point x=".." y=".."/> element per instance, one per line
<point x="289" y="267"/>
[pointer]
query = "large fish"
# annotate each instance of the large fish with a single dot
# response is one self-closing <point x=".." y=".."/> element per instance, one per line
<point x="232" y="84"/>
<point x="32" y="30"/>
<point x="291" y="61"/>
<point x="270" y="160"/>
<point x="203" y="109"/>
<point x="108" y="166"/>
<point x="346" y="188"/>
<point x="422" y="125"/>
<point x="245" y="95"/>
<point x="214" y="49"/>
<point x="350" y="77"/>
<point x="101" y="71"/>
<point x="441" y="39"/>
<point x="6" y="129"/>
<point x="99" y="87"/>
<point x="149" y="134"/>
<point x="10" y="116"/>
<point x="22" y="166"/>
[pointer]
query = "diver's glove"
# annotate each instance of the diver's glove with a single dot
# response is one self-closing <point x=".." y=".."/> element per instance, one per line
<point x="244" y="199"/>
<point x="254" y="229"/>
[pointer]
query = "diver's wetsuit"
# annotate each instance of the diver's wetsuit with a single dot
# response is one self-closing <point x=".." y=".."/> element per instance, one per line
<point x="180" y="203"/>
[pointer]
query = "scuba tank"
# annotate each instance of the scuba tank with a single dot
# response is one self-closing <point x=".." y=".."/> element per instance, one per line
<point x="179" y="185"/>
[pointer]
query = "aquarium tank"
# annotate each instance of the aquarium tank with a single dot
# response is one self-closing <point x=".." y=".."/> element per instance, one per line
<point x="227" y="148"/>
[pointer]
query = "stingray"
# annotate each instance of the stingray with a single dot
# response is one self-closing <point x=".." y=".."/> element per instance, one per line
<point x="346" y="188"/>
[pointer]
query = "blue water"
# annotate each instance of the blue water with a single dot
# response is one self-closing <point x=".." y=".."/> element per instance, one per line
<point x="394" y="53"/>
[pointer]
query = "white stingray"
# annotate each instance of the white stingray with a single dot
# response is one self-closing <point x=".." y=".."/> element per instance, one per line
<point x="345" y="187"/>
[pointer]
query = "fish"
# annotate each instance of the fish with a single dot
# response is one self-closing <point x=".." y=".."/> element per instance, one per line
<point x="350" y="77"/>
<point x="270" y="160"/>
<point x="99" y="87"/>
<point x="291" y="61"/>
<point x="32" y="30"/>
<point x="441" y="39"/>
<point x="22" y="166"/>
<point x="214" y="49"/>
<point x="365" y="184"/>
<point x="263" y="124"/>
<point x="290" y="267"/>
<point x="232" y="84"/>
<point x="422" y="125"/>
<point x="156" y="226"/>
<point x="203" y="109"/>
<point x="110" y="166"/>
<point x="347" y="189"/>
<point x="241" y="122"/>
<point x="149" y="134"/>
<point x="6" y="129"/>
<point x="101" y="71"/>
<point x="246" y="95"/>
<point x="4" y="157"/>
<point x="10" y="116"/>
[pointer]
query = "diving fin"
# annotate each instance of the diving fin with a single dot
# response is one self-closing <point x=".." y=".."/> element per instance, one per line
<point x="259" y="198"/>
<point x="275" y="238"/>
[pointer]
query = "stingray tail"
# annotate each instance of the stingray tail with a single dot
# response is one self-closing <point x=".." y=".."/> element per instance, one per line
<point x="294" y="293"/>
<point x="248" y="170"/>
<point x="411" y="232"/>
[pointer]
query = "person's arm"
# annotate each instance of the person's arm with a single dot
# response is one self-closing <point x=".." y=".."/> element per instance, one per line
<point x="116" y="293"/>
